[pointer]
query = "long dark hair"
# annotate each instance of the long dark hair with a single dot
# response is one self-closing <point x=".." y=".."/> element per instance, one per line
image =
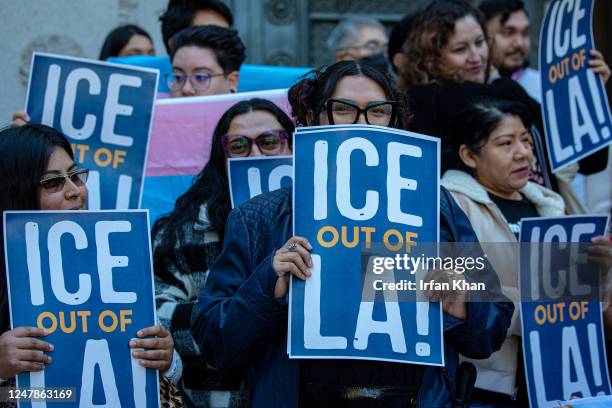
<point x="24" y="155"/>
<point x="474" y="124"/>
<point x="211" y="185"/>
<point x="308" y="96"/>
<point x="118" y="38"/>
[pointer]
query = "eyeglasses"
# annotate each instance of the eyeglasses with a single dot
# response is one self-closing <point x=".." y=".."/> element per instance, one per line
<point x="344" y="112"/>
<point x="200" y="81"/>
<point x="270" y="143"/>
<point x="57" y="183"/>
<point x="372" y="47"/>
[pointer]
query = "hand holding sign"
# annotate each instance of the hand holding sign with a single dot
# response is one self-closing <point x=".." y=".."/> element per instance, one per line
<point x="20" y="118"/>
<point x="598" y="65"/>
<point x="453" y="301"/>
<point x="158" y="351"/>
<point x="292" y="259"/>
<point x="601" y="252"/>
<point x="20" y="351"/>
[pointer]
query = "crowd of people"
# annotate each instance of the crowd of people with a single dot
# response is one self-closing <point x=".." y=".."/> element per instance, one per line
<point x="449" y="70"/>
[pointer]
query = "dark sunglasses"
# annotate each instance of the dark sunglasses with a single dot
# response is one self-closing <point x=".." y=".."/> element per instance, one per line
<point x="270" y="143"/>
<point x="56" y="183"/>
<point x="344" y="112"/>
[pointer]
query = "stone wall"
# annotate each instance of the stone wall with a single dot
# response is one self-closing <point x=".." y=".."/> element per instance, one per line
<point x="70" y="27"/>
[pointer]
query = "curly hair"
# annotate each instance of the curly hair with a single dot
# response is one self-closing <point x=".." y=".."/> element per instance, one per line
<point x="423" y="46"/>
<point x="224" y="42"/>
<point x="308" y="96"/>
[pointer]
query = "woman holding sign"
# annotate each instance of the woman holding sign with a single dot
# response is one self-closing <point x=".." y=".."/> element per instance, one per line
<point x="493" y="152"/>
<point x="39" y="173"/>
<point x="187" y="241"/>
<point x="449" y="66"/>
<point x="241" y="317"/>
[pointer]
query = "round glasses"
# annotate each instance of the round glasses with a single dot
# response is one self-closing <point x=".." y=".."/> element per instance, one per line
<point x="371" y="47"/>
<point x="200" y="81"/>
<point x="270" y="143"/>
<point x="344" y="112"/>
<point x="55" y="184"/>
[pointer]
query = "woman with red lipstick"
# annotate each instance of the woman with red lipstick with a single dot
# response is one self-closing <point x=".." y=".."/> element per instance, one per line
<point x="39" y="173"/>
<point x="492" y="149"/>
<point x="449" y="66"/>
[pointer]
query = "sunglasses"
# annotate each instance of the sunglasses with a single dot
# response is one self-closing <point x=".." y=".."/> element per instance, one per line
<point x="56" y="183"/>
<point x="270" y="143"/>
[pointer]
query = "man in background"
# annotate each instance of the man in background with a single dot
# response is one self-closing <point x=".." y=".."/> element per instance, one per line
<point x="205" y="61"/>
<point x="358" y="38"/>
<point x="509" y="27"/>
<point x="182" y="14"/>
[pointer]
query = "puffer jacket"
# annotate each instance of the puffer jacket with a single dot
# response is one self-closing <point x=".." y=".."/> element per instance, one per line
<point x="239" y="323"/>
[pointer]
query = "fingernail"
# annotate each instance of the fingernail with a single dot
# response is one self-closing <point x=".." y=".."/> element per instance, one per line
<point x="51" y="347"/>
<point x="136" y="354"/>
<point x="139" y="334"/>
<point x="48" y="359"/>
<point x="309" y="246"/>
<point x="142" y="363"/>
<point x="132" y="343"/>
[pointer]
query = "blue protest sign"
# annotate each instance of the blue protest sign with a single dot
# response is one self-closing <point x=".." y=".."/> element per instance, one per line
<point x="251" y="176"/>
<point x="575" y="107"/>
<point x="562" y="330"/>
<point x="86" y="277"/>
<point x="266" y="77"/>
<point x="106" y="112"/>
<point x="355" y="187"/>
<point x="162" y="64"/>
<point x="252" y="77"/>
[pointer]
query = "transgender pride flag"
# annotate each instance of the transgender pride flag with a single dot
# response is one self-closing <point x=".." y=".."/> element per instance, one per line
<point x="180" y="143"/>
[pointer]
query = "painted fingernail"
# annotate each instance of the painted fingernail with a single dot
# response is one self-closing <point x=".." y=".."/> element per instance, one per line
<point x="139" y="334"/>
<point x="132" y="343"/>
<point x="51" y="347"/>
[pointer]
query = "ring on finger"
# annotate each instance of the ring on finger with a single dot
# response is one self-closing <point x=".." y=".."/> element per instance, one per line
<point x="292" y="246"/>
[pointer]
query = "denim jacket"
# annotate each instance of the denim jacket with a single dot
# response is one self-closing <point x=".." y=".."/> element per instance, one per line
<point x="239" y="323"/>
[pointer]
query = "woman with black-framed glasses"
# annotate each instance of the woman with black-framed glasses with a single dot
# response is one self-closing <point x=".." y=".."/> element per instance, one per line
<point x="348" y="92"/>
<point x="39" y="173"/>
<point x="187" y="241"/>
<point x="241" y="314"/>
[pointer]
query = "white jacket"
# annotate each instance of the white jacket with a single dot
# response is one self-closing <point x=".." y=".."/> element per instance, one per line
<point x="498" y="372"/>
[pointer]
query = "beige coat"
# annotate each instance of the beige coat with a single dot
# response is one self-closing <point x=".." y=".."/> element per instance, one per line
<point x="498" y="372"/>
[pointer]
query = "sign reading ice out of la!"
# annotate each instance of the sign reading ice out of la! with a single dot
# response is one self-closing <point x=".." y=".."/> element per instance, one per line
<point x="561" y="315"/>
<point x="575" y="107"/>
<point x="355" y="187"/>
<point x="86" y="278"/>
<point x="251" y="176"/>
<point x="106" y="112"/>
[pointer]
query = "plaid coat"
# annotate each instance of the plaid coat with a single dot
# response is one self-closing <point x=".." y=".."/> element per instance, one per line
<point x="178" y="280"/>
